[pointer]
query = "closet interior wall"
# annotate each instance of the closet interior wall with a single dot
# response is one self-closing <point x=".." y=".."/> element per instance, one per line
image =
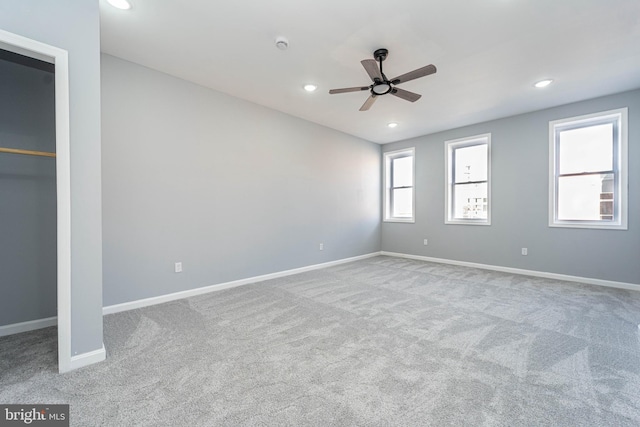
<point x="27" y="190"/>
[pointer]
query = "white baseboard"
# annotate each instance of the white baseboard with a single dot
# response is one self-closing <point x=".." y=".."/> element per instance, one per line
<point x="117" y="308"/>
<point x="586" y="280"/>
<point x="31" y="325"/>
<point x="89" y="358"/>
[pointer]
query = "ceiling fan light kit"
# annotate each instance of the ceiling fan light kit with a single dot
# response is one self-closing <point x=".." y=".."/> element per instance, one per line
<point x="382" y="85"/>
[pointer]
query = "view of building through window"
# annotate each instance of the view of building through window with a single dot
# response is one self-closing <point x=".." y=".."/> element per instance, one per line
<point x="470" y="190"/>
<point x="585" y="173"/>
<point x="588" y="185"/>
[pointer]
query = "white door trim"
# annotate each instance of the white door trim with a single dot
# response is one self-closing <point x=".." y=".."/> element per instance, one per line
<point x="59" y="58"/>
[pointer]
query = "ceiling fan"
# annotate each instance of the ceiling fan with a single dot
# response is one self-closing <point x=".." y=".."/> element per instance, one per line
<point x="382" y="85"/>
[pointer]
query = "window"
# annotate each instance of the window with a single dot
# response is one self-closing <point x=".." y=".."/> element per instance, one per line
<point x="588" y="171"/>
<point x="399" y="192"/>
<point x="468" y="191"/>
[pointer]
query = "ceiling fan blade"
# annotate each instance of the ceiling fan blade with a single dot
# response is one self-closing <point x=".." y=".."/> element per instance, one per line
<point x="371" y="66"/>
<point x="411" y="75"/>
<point x="405" y="94"/>
<point x="368" y="103"/>
<point x="349" y="89"/>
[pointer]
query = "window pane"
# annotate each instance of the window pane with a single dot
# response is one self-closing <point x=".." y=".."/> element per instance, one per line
<point x="402" y="203"/>
<point x="585" y="198"/>
<point x="471" y="163"/>
<point x="470" y="201"/>
<point x="587" y="149"/>
<point x="403" y="172"/>
<point x="398" y="172"/>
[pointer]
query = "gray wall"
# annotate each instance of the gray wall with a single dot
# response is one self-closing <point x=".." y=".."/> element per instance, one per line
<point x="27" y="194"/>
<point x="519" y="218"/>
<point x="229" y="188"/>
<point x="74" y="25"/>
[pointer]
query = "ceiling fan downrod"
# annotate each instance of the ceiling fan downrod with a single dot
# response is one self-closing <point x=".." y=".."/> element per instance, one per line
<point x="381" y="86"/>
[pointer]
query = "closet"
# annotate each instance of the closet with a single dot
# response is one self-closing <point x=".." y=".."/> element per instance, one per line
<point x="28" y="223"/>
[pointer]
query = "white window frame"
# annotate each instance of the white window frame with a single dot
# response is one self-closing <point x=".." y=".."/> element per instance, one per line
<point x="389" y="156"/>
<point x="450" y="147"/>
<point x="620" y="167"/>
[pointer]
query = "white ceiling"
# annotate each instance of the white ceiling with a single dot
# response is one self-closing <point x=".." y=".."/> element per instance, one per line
<point x="488" y="54"/>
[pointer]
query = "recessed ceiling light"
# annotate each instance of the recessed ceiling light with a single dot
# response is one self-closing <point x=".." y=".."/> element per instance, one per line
<point x="543" y="83"/>
<point x="310" y="87"/>
<point x="120" y="4"/>
<point x="392" y="124"/>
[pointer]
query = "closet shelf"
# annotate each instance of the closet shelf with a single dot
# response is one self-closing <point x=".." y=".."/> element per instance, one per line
<point x="27" y="152"/>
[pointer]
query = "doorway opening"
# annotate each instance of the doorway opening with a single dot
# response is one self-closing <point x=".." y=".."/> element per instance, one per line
<point x="55" y="59"/>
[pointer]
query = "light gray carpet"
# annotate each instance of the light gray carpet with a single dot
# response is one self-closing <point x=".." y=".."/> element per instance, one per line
<point x="378" y="342"/>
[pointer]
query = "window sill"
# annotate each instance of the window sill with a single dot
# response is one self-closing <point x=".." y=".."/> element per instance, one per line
<point x="407" y="220"/>
<point x="463" y="222"/>
<point x="588" y="225"/>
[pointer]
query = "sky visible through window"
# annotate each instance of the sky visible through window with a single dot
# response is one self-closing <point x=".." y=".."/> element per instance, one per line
<point x="587" y="150"/>
<point x="470" y="200"/>
<point x="403" y="197"/>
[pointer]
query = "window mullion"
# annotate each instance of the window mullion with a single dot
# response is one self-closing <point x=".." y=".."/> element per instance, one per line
<point x="470" y="182"/>
<point x="607" y="172"/>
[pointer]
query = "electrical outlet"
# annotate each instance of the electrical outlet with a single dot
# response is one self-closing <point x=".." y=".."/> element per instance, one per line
<point x="425" y="242"/>
<point x="178" y="267"/>
<point x="321" y="247"/>
<point x="525" y="251"/>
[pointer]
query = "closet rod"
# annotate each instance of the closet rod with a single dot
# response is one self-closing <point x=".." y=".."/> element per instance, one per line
<point x="27" y="152"/>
